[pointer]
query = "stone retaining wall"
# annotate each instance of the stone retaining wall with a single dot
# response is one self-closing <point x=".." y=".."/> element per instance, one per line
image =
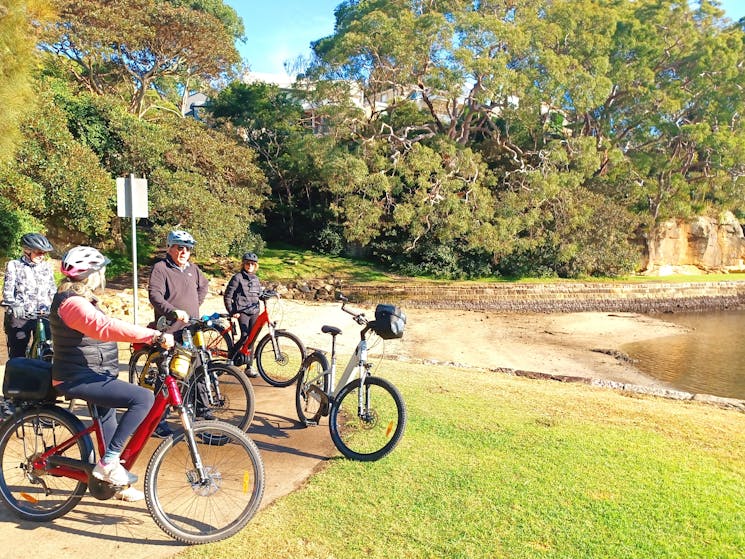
<point x="648" y="297"/>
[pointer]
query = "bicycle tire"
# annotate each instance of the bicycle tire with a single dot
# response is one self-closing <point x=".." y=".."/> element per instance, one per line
<point x="236" y="403"/>
<point x="137" y="361"/>
<point x="195" y="513"/>
<point x="372" y="437"/>
<point x="218" y="344"/>
<point x="285" y="370"/>
<point x="311" y="400"/>
<point x="37" y="495"/>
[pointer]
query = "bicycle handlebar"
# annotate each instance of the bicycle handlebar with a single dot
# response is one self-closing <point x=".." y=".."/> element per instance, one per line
<point x="31" y="315"/>
<point x="37" y="315"/>
<point x="358" y="317"/>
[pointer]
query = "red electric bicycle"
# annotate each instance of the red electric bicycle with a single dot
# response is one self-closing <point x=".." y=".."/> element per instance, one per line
<point x="202" y="485"/>
<point x="278" y="356"/>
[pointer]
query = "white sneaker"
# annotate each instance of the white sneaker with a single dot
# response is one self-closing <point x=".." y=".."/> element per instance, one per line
<point x="130" y="494"/>
<point x="113" y="473"/>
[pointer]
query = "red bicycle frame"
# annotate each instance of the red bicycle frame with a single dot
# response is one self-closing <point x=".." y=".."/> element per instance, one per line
<point x="261" y="321"/>
<point x="76" y="469"/>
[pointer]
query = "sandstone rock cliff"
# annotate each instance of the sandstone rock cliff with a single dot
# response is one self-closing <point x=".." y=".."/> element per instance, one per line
<point x="700" y="243"/>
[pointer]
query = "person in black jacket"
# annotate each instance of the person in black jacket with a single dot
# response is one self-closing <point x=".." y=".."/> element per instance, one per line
<point x="242" y="301"/>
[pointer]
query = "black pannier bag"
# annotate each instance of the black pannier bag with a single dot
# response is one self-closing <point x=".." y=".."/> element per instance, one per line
<point x="28" y="379"/>
<point x="389" y="322"/>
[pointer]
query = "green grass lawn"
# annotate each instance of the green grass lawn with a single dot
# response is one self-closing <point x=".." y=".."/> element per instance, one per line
<point x="496" y="466"/>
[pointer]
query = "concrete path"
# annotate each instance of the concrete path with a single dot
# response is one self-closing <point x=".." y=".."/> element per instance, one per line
<point x="114" y="528"/>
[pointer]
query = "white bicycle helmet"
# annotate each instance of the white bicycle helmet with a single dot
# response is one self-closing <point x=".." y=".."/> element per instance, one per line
<point x="79" y="262"/>
<point x="181" y="238"/>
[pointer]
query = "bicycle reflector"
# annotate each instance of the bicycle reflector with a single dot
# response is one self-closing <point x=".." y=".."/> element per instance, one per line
<point x="180" y="362"/>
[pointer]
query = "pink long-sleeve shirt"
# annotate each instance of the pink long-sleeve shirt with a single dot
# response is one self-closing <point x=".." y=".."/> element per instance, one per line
<point x="80" y="314"/>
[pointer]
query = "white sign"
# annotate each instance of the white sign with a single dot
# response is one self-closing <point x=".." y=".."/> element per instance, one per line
<point x="131" y="197"/>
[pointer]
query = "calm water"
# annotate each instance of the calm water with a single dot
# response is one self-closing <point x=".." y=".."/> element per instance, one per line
<point x="709" y="360"/>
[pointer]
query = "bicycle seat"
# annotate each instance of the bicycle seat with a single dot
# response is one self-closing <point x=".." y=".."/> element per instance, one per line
<point x="333" y="330"/>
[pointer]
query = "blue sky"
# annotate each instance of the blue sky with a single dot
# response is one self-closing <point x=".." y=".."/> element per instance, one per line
<point x="281" y="30"/>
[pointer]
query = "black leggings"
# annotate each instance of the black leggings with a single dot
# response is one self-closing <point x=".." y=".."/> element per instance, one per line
<point x="18" y="332"/>
<point x="108" y="394"/>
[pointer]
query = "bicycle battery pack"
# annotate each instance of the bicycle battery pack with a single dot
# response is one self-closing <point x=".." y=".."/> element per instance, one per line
<point x="389" y="322"/>
<point x="28" y="379"/>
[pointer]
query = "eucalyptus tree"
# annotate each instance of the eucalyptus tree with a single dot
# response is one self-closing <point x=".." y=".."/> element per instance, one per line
<point x="592" y="115"/>
<point x="135" y="48"/>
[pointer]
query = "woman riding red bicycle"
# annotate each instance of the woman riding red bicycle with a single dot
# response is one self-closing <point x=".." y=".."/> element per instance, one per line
<point x="86" y="360"/>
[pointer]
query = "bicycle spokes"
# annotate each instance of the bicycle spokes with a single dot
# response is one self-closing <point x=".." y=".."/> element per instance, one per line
<point x="207" y="486"/>
<point x="368" y="419"/>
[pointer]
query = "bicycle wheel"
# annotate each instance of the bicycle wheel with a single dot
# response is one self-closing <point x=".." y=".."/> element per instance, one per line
<point x="198" y="511"/>
<point x="373" y="432"/>
<point x="283" y="367"/>
<point x="230" y="397"/>
<point x="142" y="370"/>
<point x="219" y="344"/>
<point x="36" y="494"/>
<point x="311" y="400"/>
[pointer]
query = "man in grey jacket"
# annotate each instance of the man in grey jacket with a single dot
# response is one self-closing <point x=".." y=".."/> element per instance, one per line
<point x="177" y="286"/>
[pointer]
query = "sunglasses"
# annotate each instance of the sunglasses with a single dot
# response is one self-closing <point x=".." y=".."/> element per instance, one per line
<point x="181" y="248"/>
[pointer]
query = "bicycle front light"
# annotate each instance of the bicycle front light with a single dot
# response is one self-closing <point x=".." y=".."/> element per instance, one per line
<point x="180" y="361"/>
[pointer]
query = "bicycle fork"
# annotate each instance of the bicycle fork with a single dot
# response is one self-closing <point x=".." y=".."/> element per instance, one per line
<point x="275" y="346"/>
<point x="201" y="478"/>
<point x="211" y="384"/>
<point x="363" y="394"/>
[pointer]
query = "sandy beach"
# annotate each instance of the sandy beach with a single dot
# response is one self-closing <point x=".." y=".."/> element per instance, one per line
<point x="583" y="344"/>
<point x="571" y="344"/>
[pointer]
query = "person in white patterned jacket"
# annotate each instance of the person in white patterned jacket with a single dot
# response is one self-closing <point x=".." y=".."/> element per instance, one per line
<point x="28" y="289"/>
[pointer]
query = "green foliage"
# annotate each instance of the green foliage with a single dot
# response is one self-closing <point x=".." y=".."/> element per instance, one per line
<point x="634" y="102"/>
<point x="269" y="121"/>
<point x="329" y="241"/>
<point x="450" y="139"/>
<point x="208" y="185"/>
<point x="17" y="60"/>
<point x="14" y="223"/>
<point x="55" y="178"/>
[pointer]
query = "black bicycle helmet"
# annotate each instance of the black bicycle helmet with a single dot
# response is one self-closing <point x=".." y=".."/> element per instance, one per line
<point x="36" y="241"/>
<point x="250" y="257"/>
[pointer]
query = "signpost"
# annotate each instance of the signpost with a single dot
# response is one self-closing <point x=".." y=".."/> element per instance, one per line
<point x="131" y="202"/>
